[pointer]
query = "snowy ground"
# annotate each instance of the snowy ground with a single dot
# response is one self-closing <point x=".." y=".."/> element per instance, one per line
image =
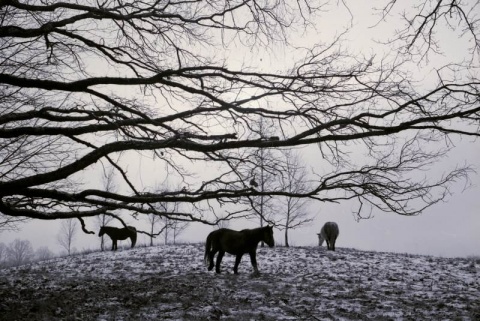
<point x="306" y="283"/>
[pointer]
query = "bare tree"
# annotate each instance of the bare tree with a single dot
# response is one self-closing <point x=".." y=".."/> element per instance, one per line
<point x="172" y="229"/>
<point x="43" y="253"/>
<point x="166" y="230"/>
<point x="419" y="37"/>
<point x="108" y="182"/>
<point x="264" y="176"/>
<point x="164" y="96"/>
<point x="3" y="254"/>
<point x="154" y="221"/>
<point x="66" y="235"/>
<point x="178" y="228"/>
<point x="165" y="209"/>
<point x="19" y="252"/>
<point x="294" y="180"/>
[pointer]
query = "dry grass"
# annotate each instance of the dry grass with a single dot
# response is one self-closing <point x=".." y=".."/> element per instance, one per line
<point x="309" y="283"/>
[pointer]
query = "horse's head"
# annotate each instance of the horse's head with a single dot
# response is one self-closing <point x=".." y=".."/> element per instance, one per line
<point x="102" y="231"/>
<point x="320" y="239"/>
<point x="268" y="236"/>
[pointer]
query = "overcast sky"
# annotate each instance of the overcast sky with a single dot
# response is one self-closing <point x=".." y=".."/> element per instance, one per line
<point x="451" y="228"/>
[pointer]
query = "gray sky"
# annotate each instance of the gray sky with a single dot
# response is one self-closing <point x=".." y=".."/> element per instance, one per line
<point x="451" y="228"/>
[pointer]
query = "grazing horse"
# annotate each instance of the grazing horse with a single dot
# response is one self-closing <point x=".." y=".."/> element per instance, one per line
<point x="119" y="234"/>
<point x="329" y="233"/>
<point x="236" y="243"/>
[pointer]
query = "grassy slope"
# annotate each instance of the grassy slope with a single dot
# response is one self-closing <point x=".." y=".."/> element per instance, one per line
<point x="309" y="283"/>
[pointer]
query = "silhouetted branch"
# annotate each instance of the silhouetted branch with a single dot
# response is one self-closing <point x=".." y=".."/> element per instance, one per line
<point x="84" y="229"/>
<point x="141" y="88"/>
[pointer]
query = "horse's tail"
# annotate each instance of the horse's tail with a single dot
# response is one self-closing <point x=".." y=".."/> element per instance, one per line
<point x="208" y="246"/>
<point x="331" y="232"/>
<point x="133" y="235"/>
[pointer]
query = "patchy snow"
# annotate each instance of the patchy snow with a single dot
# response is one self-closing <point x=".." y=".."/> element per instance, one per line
<point x="299" y="283"/>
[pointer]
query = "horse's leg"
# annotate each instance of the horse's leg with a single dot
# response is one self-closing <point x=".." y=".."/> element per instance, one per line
<point x="333" y="245"/>
<point x="134" y="239"/>
<point x="253" y="259"/>
<point x="237" y="262"/>
<point x="114" y="245"/>
<point x="219" y="260"/>
<point x="211" y="256"/>
<point x="133" y="242"/>
<point x="329" y="246"/>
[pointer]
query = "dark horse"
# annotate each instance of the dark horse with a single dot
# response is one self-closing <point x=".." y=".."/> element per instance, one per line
<point x="236" y="243"/>
<point x="119" y="234"/>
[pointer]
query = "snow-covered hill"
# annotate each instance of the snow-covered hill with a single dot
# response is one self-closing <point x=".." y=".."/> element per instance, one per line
<point x="299" y="283"/>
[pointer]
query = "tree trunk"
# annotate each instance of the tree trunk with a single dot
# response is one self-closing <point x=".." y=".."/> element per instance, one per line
<point x="286" y="237"/>
<point x="151" y="237"/>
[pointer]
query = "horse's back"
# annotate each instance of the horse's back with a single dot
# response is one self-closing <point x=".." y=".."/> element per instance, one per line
<point x="222" y="233"/>
<point x="330" y="230"/>
<point x="223" y="230"/>
<point x="131" y="231"/>
<point x="122" y="233"/>
<point x="227" y="240"/>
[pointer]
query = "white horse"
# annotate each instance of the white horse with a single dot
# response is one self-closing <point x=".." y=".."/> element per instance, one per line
<point x="329" y="233"/>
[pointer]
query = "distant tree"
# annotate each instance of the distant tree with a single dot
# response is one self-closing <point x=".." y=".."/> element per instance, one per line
<point x="166" y="230"/>
<point x="177" y="228"/>
<point x="172" y="229"/>
<point x="3" y="254"/>
<point x="66" y="235"/>
<point x="20" y="252"/>
<point x="154" y="220"/>
<point x="294" y="211"/>
<point x="264" y="175"/>
<point x="108" y="182"/>
<point x="43" y="253"/>
<point x="166" y="209"/>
